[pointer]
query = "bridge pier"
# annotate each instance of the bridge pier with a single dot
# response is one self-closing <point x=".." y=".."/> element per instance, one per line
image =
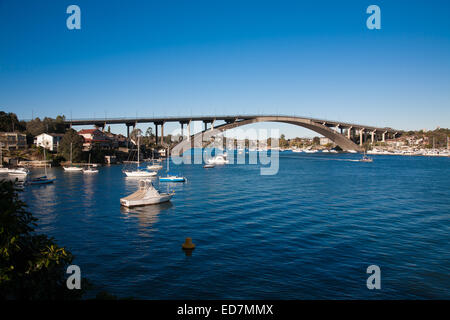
<point x="162" y="133"/>
<point x="383" y="139"/>
<point x="189" y="130"/>
<point x="361" y="136"/>
<point x="373" y="136"/>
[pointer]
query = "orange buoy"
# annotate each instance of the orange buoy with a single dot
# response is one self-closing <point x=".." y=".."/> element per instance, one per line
<point x="188" y="245"/>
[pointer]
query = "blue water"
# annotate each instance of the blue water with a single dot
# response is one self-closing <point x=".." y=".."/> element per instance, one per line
<point x="308" y="232"/>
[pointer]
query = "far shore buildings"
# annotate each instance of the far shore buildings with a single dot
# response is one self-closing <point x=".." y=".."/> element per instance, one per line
<point x="13" y="140"/>
<point x="100" y="139"/>
<point x="49" y="141"/>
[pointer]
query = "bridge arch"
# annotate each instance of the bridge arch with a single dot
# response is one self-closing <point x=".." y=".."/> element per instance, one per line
<point x="340" y="140"/>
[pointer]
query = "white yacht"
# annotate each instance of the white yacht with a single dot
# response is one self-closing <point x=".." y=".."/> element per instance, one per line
<point x="145" y="195"/>
<point x="139" y="173"/>
<point x="72" y="168"/>
<point x="21" y="172"/>
<point x="89" y="168"/>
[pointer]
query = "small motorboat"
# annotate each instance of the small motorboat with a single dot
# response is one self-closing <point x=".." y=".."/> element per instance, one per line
<point x="18" y="172"/>
<point x="209" y="165"/>
<point x="365" y="158"/>
<point x="145" y="195"/>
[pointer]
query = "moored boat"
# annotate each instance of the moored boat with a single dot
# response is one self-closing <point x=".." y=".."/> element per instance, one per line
<point x="145" y="195"/>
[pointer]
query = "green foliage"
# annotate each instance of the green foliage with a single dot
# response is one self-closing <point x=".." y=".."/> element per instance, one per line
<point x="71" y="136"/>
<point x="9" y="122"/>
<point x="36" y="126"/>
<point x="316" y="140"/>
<point x="32" y="266"/>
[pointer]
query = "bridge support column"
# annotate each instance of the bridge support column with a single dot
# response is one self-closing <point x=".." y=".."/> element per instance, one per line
<point x="162" y="133"/>
<point x="361" y="137"/>
<point x="349" y="132"/>
<point x="383" y="136"/>
<point x="156" y="133"/>
<point x="373" y="136"/>
<point x="189" y="130"/>
<point x="182" y="130"/>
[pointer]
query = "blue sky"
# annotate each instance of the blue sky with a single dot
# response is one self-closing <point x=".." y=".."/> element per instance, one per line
<point x="166" y="58"/>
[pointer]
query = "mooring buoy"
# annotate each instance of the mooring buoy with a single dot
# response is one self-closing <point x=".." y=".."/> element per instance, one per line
<point x="188" y="245"/>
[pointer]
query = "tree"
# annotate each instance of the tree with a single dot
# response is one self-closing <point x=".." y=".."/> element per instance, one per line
<point x="32" y="266"/>
<point x="71" y="137"/>
<point x="316" y="140"/>
<point x="135" y="134"/>
<point x="9" y="122"/>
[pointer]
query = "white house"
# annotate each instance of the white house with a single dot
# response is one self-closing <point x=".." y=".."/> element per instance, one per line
<point x="49" y="141"/>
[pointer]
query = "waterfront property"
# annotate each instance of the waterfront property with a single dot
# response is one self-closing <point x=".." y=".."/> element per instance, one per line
<point x="49" y="141"/>
<point x="13" y="140"/>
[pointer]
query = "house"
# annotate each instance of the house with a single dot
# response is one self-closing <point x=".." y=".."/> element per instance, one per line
<point x="95" y="137"/>
<point x="49" y="141"/>
<point x="13" y="140"/>
<point x="324" y="141"/>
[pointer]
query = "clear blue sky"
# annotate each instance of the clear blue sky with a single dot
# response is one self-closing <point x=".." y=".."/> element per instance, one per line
<point x="223" y="57"/>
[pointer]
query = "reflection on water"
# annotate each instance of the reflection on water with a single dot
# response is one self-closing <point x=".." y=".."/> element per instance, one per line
<point x="147" y="215"/>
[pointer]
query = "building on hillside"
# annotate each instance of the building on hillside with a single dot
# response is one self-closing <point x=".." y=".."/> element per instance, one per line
<point x="13" y="140"/>
<point x="324" y="141"/>
<point x="95" y="137"/>
<point x="117" y="140"/>
<point x="49" y="141"/>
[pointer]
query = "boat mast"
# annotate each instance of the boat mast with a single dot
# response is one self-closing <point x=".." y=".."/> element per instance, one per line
<point x="45" y="163"/>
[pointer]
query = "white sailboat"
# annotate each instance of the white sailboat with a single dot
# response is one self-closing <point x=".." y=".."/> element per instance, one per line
<point x="169" y="177"/>
<point x="72" y="168"/>
<point x="138" y="172"/>
<point x="88" y="169"/>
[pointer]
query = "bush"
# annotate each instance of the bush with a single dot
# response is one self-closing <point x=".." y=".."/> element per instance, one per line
<point x="32" y="267"/>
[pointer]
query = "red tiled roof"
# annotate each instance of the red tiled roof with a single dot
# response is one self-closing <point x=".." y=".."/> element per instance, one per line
<point x="87" y="131"/>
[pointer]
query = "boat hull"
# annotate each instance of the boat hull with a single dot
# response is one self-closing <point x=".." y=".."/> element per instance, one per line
<point x="72" y="169"/>
<point x="139" y="174"/>
<point x="38" y="182"/>
<point x="146" y="201"/>
<point x="162" y="179"/>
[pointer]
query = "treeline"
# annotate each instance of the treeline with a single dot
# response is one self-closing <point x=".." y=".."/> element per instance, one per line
<point x="438" y="135"/>
<point x="9" y="123"/>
